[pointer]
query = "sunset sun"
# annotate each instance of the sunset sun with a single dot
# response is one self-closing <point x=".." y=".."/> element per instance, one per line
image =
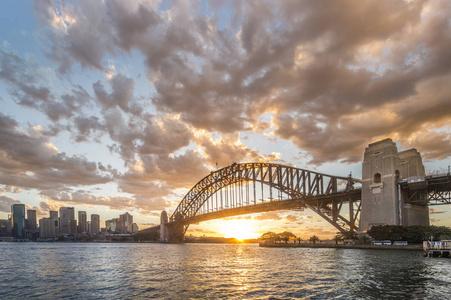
<point x="239" y="229"/>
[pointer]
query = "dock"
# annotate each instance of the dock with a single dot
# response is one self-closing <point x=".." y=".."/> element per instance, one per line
<point x="437" y="248"/>
<point x="416" y="247"/>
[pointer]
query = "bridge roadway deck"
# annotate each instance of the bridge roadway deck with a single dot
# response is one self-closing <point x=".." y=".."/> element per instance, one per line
<point x="428" y="190"/>
<point x="354" y="195"/>
<point x="267" y="206"/>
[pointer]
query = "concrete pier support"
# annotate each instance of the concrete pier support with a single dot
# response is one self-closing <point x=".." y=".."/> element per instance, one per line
<point x="382" y="201"/>
<point x="173" y="232"/>
<point x="164" y="234"/>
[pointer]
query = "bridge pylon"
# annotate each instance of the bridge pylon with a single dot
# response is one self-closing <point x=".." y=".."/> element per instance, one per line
<point x="383" y="202"/>
<point x="173" y="232"/>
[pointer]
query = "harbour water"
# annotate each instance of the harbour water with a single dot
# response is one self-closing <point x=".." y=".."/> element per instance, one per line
<point x="120" y="271"/>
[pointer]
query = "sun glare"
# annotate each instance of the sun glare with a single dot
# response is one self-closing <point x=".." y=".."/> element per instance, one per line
<point x="239" y="229"/>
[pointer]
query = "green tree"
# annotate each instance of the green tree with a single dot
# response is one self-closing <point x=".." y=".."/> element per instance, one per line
<point x="411" y="234"/>
<point x="314" y="239"/>
<point x="286" y="236"/>
<point x="268" y="236"/>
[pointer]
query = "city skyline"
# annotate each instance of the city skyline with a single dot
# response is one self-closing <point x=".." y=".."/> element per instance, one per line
<point x="22" y="224"/>
<point x="110" y="106"/>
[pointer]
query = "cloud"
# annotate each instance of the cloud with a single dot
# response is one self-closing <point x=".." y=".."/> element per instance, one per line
<point x="24" y="78"/>
<point x="121" y="94"/>
<point x="6" y="202"/>
<point x="321" y="70"/>
<point x="291" y="218"/>
<point x="32" y="161"/>
<point x="333" y="78"/>
<point x="153" y="202"/>
<point x="268" y="216"/>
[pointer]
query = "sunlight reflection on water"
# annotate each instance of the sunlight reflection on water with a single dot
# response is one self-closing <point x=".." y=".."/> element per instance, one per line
<point x="90" y="271"/>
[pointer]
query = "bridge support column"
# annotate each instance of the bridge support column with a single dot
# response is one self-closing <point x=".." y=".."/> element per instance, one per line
<point x="176" y="232"/>
<point x="171" y="232"/>
<point x="164" y="234"/>
<point x="382" y="203"/>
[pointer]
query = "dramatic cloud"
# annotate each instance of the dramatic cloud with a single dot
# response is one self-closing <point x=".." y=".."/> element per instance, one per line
<point x="322" y="68"/>
<point x="171" y="90"/>
<point x="30" y="160"/>
<point x="6" y="202"/>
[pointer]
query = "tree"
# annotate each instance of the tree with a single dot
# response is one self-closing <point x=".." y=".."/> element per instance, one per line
<point x="314" y="239"/>
<point x="268" y="236"/>
<point x="286" y="236"/>
<point x="411" y="234"/>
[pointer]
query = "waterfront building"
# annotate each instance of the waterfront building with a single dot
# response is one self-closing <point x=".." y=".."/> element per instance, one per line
<point x="73" y="226"/>
<point x="31" y="227"/>
<point x="135" y="228"/>
<point x="31" y="219"/>
<point x="53" y="215"/>
<point x="5" y="228"/>
<point x="47" y="228"/>
<point x="82" y="222"/>
<point x="111" y="225"/>
<point x="18" y="220"/>
<point x="67" y="222"/>
<point x="125" y="224"/>
<point x="95" y="224"/>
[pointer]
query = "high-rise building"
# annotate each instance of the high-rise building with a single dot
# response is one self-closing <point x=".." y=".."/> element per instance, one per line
<point x="53" y="215"/>
<point x="95" y="224"/>
<point x="82" y="222"/>
<point x="67" y="223"/>
<point x="5" y="228"/>
<point x="47" y="228"/>
<point x="31" y="228"/>
<point x="18" y="218"/>
<point x="111" y="225"/>
<point x="135" y="228"/>
<point x="31" y="219"/>
<point x="125" y="224"/>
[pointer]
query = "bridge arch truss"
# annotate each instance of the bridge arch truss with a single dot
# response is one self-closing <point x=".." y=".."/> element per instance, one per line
<point x="259" y="187"/>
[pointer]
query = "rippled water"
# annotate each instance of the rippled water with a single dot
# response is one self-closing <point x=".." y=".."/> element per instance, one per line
<point x="92" y="271"/>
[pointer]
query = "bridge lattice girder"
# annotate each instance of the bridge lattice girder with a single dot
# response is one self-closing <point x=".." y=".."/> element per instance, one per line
<point x="324" y="194"/>
<point x="430" y="190"/>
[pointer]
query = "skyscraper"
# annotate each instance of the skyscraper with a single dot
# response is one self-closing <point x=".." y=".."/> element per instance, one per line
<point x="95" y="224"/>
<point x="31" y="219"/>
<point x="82" y="222"/>
<point x="18" y="217"/>
<point x="54" y="217"/>
<point x="5" y="228"/>
<point x="47" y="228"/>
<point x="125" y="224"/>
<point x="67" y="221"/>
<point x="111" y="225"/>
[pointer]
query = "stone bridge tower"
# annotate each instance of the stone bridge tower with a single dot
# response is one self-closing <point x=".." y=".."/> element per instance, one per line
<point x="382" y="200"/>
<point x="171" y="232"/>
<point x="164" y="234"/>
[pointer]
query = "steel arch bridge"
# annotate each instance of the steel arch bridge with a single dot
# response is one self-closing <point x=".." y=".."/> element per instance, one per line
<point x="243" y="188"/>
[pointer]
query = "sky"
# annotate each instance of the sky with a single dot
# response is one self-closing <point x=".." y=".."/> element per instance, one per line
<point x="114" y="106"/>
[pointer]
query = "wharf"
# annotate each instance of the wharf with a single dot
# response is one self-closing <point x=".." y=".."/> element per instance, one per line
<point x="437" y="249"/>
<point x="341" y="246"/>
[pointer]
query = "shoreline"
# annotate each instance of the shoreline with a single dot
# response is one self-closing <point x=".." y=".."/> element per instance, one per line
<point x="414" y="247"/>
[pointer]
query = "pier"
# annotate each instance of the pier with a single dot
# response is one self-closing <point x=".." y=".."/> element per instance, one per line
<point x="340" y="246"/>
<point x="437" y="248"/>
